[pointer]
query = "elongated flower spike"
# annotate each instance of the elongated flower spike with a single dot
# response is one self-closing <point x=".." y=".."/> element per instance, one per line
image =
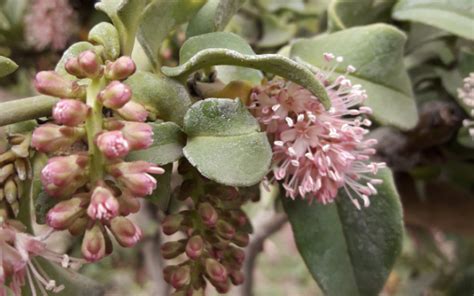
<point x="96" y="186"/>
<point x="317" y="152"/>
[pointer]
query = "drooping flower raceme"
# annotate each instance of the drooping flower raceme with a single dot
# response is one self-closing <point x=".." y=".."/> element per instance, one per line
<point x="18" y="266"/>
<point x="466" y="94"/>
<point x="97" y="187"/>
<point x="316" y="151"/>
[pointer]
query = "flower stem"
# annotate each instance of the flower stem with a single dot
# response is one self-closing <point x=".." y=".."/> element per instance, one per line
<point x="94" y="123"/>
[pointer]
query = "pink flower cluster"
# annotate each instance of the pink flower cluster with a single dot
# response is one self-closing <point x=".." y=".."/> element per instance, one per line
<point x="466" y="94"/>
<point x="95" y="206"/>
<point x="50" y="24"/>
<point x="17" y="252"/>
<point x="316" y="151"/>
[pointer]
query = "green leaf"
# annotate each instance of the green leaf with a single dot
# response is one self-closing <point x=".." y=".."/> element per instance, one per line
<point x="343" y="14"/>
<point x="224" y="142"/>
<point x="26" y="109"/>
<point x="195" y="55"/>
<point x="213" y="16"/>
<point x="7" y="66"/>
<point x="455" y="16"/>
<point x="164" y="97"/>
<point x="349" y="251"/>
<point x="276" y="31"/>
<point x="167" y="147"/>
<point x="222" y="40"/>
<point x="162" y="194"/>
<point x="106" y="35"/>
<point x="159" y="19"/>
<point x="43" y="203"/>
<point x="73" y="51"/>
<point x="464" y="138"/>
<point x="126" y="16"/>
<point x="376" y="51"/>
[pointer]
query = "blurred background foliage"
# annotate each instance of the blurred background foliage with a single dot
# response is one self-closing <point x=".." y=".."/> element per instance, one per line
<point x="433" y="163"/>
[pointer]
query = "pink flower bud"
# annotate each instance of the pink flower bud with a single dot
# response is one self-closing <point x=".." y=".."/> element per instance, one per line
<point x="63" y="175"/>
<point x="236" y="277"/>
<point x="172" y="223"/>
<point x="79" y="225"/>
<point x="125" y="231"/>
<point x="135" y="176"/>
<point x="138" y="134"/>
<point x="51" y="138"/>
<point x="133" y="111"/>
<point x="194" y="247"/>
<point x="180" y="277"/>
<point x="53" y="84"/>
<point x="208" y="214"/>
<point x="170" y="250"/>
<point x="120" y="69"/>
<point x="225" y="230"/>
<point x="115" y="95"/>
<point x="90" y="63"/>
<point x="63" y="214"/>
<point x="72" y="67"/>
<point x="113" y="144"/>
<point x="93" y="244"/>
<point x="70" y="112"/>
<point x="103" y="205"/>
<point x="241" y="239"/>
<point x="215" y="271"/>
<point x="238" y="255"/>
<point x="128" y="203"/>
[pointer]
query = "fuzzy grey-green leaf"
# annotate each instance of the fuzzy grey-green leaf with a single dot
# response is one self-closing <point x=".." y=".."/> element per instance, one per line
<point x="348" y="251"/>
<point x="224" y="142"/>
<point x="7" y="66"/>
<point x="376" y="51"/>
<point x="106" y="35"/>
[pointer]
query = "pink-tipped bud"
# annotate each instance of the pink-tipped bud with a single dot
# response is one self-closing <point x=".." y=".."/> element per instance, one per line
<point x="208" y="214"/>
<point x="241" y="239"/>
<point x="53" y="84"/>
<point x="51" y="138"/>
<point x="238" y="255"/>
<point x="113" y="144"/>
<point x="103" y="205"/>
<point x="133" y="111"/>
<point x="125" y="231"/>
<point x="170" y="250"/>
<point x="138" y="134"/>
<point x="79" y="225"/>
<point x="115" y="95"/>
<point x="215" y="271"/>
<point x="70" y="112"/>
<point x="225" y="230"/>
<point x="172" y="223"/>
<point x="128" y="203"/>
<point x="64" y="213"/>
<point x="63" y="175"/>
<point x="135" y="167"/>
<point x="195" y="247"/>
<point x="72" y="67"/>
<point x="90" y="63"/>
<point x="168" y="271"/>
<point x="180" y="277"/>
<point x="222" y="287"/>
<point x="135" y="176"/>
<point x="93" y="244"/>
<point x="120" y="69"/>
<point x="236" y="277"/>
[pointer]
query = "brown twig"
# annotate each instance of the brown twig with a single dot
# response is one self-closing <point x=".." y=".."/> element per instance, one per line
<point x="265" y="224"/>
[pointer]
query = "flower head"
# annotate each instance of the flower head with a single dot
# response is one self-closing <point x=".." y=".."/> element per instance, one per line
<point x="466" y="94"/>
<point x="316" y="151"/>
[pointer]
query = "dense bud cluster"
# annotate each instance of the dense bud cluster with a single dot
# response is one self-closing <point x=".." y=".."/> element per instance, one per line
<point x="94" y="186"/>
<point x="215" y="229"/>
<point x="466" y="94"/>
<point x="15" y="168"/>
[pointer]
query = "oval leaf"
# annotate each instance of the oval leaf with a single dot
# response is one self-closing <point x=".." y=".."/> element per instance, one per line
<point x="159" y="18"/>
<point x="106" y="35"/>
<point x="349" y="252"/>
<point x="168" y="143"/>
<point x="166" y="98"/>
<point x="455" y="16"/>
<point x="376" y="51"/>
<point x="224" y="142"/>
<point x="213" y="16"/>
<point x="222" y="40"/>
<point x="272" y="63"/>
<point x="126" y="15"/>
<point x="26" y="109"/>
<point x="7" y="66"/>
